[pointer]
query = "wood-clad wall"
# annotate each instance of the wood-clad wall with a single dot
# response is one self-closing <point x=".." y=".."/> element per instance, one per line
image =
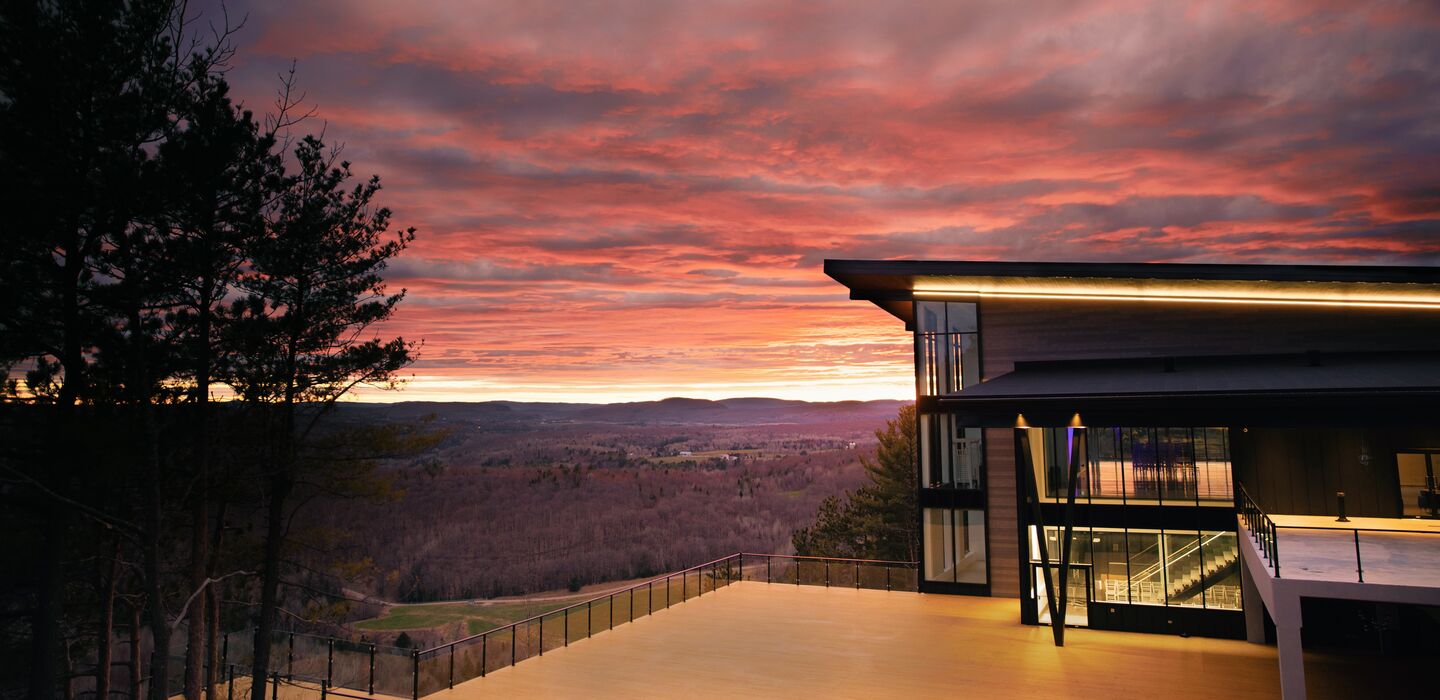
<point x="1027" y="330"/>
<point x="1003" y="541"/>
<point x="1298" y="470"/>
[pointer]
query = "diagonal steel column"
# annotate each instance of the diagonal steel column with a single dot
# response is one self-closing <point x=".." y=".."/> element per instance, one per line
<point x="1077" y="449"/>
<point x="1032" y="496"/>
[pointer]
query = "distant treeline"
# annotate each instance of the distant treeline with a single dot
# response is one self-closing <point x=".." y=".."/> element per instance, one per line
<point x="162" y="247"/>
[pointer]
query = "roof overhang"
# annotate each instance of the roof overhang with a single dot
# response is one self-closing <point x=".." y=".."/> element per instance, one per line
<point x="893" y="284"/>
<point x="1381" y="389"/>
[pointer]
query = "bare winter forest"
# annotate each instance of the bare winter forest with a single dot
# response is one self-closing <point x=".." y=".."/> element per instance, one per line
<point x="520" y="498"/>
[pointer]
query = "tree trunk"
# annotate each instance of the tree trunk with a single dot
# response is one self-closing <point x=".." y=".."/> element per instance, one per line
<point x="212" y="639"/>
<point x="195" y="653"/>
<point x="270" y="583"/>
<point x="104" y="648"/>
<point x="159" y="626"/>
<point x="45" y="623"/>
<point x="67" y="672"/>
<point x="136" y="669"/>
<point x="213" y="669"/>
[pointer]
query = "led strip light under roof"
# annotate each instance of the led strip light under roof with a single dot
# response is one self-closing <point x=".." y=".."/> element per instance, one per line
<point x="938" y="294"/>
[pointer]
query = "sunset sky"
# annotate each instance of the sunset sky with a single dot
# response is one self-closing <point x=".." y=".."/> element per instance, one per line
<point x="627" y="201"/>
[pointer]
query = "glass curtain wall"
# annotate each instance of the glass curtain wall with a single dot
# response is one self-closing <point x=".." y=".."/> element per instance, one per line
<point x="1183" y="568"/>
<point x="1127" y="465"/>
<point x="952" y="463"/>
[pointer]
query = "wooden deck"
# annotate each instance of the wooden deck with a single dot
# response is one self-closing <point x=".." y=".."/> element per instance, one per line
<point x="756" y="640"/>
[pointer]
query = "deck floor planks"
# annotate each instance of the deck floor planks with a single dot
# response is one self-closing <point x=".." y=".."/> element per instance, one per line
<point x="756" y="640"/>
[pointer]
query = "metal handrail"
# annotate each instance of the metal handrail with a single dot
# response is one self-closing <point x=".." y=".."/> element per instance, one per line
<point x="1261" y="527"/>
<point x="1266" y="533"/>
<point x="888" y="562"/>
<point x="729" y="568"/>
<point x="560" y="611"/>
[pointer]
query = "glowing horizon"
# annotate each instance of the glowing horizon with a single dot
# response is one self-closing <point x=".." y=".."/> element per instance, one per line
<point x="632" y="202"/>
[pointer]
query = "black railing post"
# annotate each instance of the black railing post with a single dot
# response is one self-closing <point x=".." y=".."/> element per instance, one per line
<point x="567" y="627"/>
<point x="484" y="655"/>
<point x="372" y="669"/>
<point x="1275" y="546"/>
<point x="324" y="688"/>
<point x="797" y="571"/>
<point x="612" y="612"/>
<point x="667" y="591"/>
<point x="512" y="645"/>
<point x="650" y="598"/>
<point x="290" y="661"/>
<point x="827" y="573"/>
<point x="1359" y="568"/>
<point x="684" y="587"/>
<point x="329" y="659"/>
<point x="741" y="565"/>
<point x="887" y="578"/>
<point x="857" y="574"/>
<point x="542" y="634"/>
<point x="275" y="686"/>
<point x="415" y="674"/>
<point x="230" y="685"/>
<point x="224" y="652"/>
<point x="452" y="666"/>
<point x="767" y="569"/>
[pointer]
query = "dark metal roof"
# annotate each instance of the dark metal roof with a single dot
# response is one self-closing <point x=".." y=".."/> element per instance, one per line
<point x="889" y="283"/>
<point x="1388" y="388"/>
<point x="863" y="272"/>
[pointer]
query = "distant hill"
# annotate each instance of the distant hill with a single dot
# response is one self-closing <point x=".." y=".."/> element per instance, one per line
<point x="672" y="411"/>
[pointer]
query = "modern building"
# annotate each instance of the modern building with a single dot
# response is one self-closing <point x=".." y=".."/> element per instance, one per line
<point x="1207" y="450"/>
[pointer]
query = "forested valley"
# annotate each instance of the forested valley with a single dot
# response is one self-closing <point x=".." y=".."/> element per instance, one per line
<point x="520" y="499"/>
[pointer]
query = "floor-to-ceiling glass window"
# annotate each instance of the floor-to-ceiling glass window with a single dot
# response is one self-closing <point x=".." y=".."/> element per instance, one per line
<point x="1136" y="465"/>
<point x="954" y="542"/>
<point x="951" y="455"/>
<point x="1181" y="568"/>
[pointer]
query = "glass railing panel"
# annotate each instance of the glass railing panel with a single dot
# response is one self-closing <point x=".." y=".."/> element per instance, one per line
<point x="875" y="577"/>
<point x="575" y="622"/>
<point x="842" y="574"/>
<point x="467" y="659"/>
<point x="394" y="671"/>
<point x="496" y="651"/>
<point x="435" y="671"/>
<point x="812" y="573"/>
<point x="351" y="666"/>
<point x="307" y="657"/>
<point x="527" y="639"/>
<point x="599" y="616"/>
<point x="783" y="570"/>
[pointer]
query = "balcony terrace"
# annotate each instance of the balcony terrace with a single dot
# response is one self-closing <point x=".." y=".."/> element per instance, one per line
<point x="757" y="640"/>
<point x="1288" y="558"/>
<point x="832" y="629"/>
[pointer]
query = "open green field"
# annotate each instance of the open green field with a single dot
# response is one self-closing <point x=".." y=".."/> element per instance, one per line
<point x="477" y="617"/>
<point x="483" y="616"/>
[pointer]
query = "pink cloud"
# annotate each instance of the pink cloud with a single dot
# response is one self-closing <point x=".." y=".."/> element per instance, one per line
<point x="571" y="164"/>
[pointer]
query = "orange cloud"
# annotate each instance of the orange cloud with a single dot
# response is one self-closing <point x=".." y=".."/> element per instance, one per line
<point x="633" y="201"/>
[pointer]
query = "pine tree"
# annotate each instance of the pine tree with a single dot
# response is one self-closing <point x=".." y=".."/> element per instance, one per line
<point x="877" y="521"/>
<point x="303" y="335"/>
